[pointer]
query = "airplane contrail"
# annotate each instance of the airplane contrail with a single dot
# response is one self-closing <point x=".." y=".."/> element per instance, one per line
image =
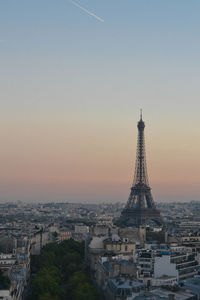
<point x="87" y="11"/>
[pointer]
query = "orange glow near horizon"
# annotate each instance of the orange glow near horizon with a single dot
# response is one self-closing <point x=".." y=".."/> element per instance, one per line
<point x="60" y="158"/>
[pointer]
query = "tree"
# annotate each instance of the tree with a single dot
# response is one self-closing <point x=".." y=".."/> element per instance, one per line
<point x="80" y="287"/>
<point x="48" y="296"/>
<point x="84" y="291"/>
<point x="48" y="280"/>
<point x="4" y="281"/>
<point x="58" y="267"/>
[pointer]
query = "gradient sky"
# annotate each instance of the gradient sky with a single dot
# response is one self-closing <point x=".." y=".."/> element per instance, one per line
<point x="71" y="88"/>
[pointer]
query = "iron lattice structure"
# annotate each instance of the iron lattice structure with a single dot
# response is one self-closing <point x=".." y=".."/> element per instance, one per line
<point x="140" y="208"/>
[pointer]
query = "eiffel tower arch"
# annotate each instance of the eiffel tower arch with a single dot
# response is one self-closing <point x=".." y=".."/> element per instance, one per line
<point x="140" y="208"/>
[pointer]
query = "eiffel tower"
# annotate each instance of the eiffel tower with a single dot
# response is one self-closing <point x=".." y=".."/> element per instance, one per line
<point x="140" y="208"/>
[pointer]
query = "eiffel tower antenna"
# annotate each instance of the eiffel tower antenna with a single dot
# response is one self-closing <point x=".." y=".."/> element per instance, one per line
<point x="140" y="208"/>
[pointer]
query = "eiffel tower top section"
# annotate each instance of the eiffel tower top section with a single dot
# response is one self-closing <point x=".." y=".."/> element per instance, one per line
<point x="141" y="176"/>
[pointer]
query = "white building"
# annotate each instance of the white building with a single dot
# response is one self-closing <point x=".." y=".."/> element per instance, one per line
<point x="179" y="266"/>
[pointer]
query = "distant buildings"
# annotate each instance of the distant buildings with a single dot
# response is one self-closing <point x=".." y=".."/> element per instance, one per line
<point x="126" y="263"/>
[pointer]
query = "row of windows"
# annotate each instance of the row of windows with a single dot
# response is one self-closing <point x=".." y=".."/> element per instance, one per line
<point x="6" y="262"/>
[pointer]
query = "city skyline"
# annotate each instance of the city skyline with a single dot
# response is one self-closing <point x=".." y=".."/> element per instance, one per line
<point x="71" y="90"/>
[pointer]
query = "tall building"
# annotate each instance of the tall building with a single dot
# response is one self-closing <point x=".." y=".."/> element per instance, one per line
<point x="140" y="208"/>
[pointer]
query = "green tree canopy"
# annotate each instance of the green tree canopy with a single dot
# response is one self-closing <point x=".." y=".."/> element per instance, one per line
<point x="61" y="273"/>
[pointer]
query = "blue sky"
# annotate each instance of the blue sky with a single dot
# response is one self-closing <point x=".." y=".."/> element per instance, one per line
<point x="141" y="43"/>
<point x="62" y="70"/>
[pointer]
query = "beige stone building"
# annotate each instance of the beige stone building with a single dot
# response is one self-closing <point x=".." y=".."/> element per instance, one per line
<point x="64" y="235"/>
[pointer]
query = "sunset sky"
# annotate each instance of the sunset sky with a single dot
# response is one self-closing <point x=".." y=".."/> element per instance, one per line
<point x="73" y="77"/>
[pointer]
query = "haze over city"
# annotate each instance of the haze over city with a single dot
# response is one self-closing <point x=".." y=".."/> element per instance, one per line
<point x="73" y="79"/>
